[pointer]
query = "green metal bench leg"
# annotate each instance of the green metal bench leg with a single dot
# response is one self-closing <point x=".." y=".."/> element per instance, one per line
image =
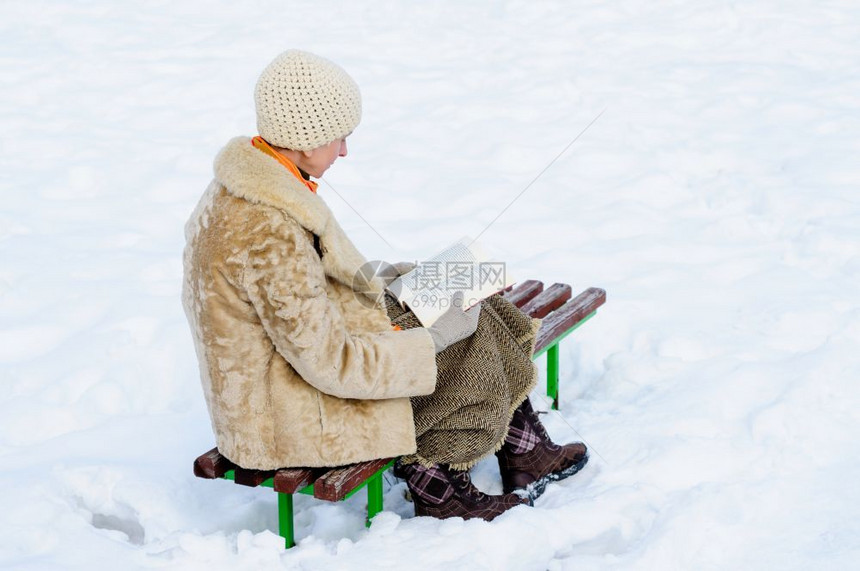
<point x="374" y="497"/>
<point x="552" y="375"/>
<point x="285" y="518"/>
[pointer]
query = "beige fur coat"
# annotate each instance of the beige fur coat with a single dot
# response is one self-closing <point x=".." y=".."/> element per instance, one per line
<point x="298" y="369"/>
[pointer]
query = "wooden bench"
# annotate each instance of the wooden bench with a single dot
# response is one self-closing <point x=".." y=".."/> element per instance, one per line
<point x="561" y="315"/>
<point x="330" y="484"/>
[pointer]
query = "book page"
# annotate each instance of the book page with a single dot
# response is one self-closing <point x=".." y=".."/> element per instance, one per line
<point x="428" y="289"/>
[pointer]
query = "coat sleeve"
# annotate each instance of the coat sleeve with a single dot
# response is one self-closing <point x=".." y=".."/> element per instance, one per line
<point x="285" y="282"/>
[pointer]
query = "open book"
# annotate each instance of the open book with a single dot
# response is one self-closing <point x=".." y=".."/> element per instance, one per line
<point x="464" y="266"/>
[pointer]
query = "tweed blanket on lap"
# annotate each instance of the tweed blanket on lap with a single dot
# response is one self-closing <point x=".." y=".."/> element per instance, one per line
<point x="481" y="380"/>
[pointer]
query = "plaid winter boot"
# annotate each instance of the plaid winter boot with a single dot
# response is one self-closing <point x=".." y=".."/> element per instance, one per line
<point x="529" y="460"/>
<point x="442" y="493"/>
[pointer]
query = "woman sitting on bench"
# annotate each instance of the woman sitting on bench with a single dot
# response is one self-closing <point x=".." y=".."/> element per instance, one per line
<point x="304" y="363"/>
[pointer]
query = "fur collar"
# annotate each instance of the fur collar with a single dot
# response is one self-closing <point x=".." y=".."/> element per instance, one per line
<point x="256" y="177"/>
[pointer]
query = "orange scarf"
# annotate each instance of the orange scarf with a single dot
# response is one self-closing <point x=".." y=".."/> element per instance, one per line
<point x="261" y="144"/>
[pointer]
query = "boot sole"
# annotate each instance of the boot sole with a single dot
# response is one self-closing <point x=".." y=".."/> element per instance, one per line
<point x="538" y="487"/>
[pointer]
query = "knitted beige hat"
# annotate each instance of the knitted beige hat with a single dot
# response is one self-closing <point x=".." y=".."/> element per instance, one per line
<point x="305" y="101"/>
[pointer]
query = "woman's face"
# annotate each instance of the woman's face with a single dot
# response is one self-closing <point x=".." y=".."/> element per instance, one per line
<point x="317" y="161"/>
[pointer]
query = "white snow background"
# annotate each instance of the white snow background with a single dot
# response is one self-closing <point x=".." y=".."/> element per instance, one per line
<point x="716" y="200"/>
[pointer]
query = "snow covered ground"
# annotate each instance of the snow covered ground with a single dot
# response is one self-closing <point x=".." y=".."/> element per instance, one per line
<point x="716" y="200"/>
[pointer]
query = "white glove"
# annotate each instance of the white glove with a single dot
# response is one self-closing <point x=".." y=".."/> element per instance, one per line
<point x="455" y="324"/>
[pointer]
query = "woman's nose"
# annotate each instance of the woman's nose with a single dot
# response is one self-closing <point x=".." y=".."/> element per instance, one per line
<point x="342" y="152"/>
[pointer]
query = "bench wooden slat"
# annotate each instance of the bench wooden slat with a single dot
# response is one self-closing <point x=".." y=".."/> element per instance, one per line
<point x="291" y="480"/>
<point x="547" y="301"/>
<point x="338" y="482"/>
<point x="522" y="293"/>
<point x="569" y="315"/>
<point x="251" y="478"/>
<point x="212" y="465"/>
